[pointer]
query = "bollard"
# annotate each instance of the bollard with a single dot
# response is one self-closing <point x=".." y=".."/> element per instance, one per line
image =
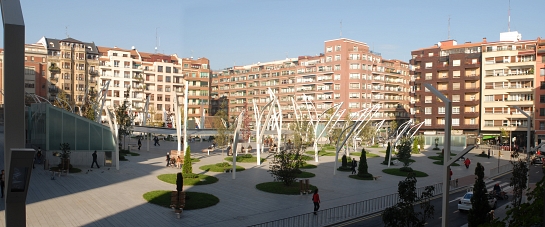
<point x="301" y="187"/>
<point x="306" y="186"/>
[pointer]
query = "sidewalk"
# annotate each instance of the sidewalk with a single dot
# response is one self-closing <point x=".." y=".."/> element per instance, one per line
<point x="105" y="197"/>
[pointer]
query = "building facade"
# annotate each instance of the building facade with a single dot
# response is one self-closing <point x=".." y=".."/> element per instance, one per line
<point x="539" y="122"/>
<point x="455" y="70"/>
<point x="347" y="71"/>
<point x="508" y="80"/>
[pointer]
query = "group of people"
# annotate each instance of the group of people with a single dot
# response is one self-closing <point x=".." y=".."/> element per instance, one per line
<point x="176" y="162"/>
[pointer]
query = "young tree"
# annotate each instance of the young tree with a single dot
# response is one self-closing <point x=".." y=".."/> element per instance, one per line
<point x="404" y="151"/>
<point x="344" y="162"/>
<point x="285" y="166"/>
<point x="386" y="158"/>
<point x="220" y="123"/>
<point x="403" y="213"/>
<point x="187" y="168"/>
<point x="124" y="121"/>
<point x="518" y="181"/>
<point x="90" y="103"/>
<point x="504" y="134"/>
<point x="62" y="101"/>
<point x="479" y="202"/>
<point x="363" y="168"/>
<point x="527" y="214"/>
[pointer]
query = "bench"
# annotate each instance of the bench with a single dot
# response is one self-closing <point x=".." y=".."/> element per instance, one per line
<point x="181" y="202"/>
<point x="246" y="150"/>
<point x="376" y="177"/>
<point x="395" y="162"/>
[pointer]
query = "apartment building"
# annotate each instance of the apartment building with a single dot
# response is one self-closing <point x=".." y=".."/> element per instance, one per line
<point x="36" y="70"/>
<point x="72" y="66"/>
<point x="199" y="75"/>
<point x="453" y="69"/>
<point x="347" y="71"/>
<point x="508" y="79"/>
<point x="539" y="119"/>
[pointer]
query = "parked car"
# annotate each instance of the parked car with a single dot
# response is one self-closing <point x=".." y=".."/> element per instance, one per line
<point x="537" y="160"/>
<point x="465" y="202"/>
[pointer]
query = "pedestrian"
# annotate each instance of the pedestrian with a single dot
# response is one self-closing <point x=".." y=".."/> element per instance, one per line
<point x="2" y="183"/>
<point x="467" y="162"/>
<point x="139" y="144"/>
<point x="95" y="160"/>
<point x="179" y="162"/>
<point x="39" y="155"/>
<point x="450" y="176"/>
<point x="354" y="165"/>
<point x="488" y="153"/>
<point x="168" y="159"/>
<point x="156" y="140"/>
<point x="316" y="201"/>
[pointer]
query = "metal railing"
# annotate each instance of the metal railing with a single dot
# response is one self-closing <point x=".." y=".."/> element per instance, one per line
<point x="344" y="212"/>
<point x="501" y="170"/>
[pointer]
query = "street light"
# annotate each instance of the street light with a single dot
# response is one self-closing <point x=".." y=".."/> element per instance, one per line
<point x="510" y="131"/>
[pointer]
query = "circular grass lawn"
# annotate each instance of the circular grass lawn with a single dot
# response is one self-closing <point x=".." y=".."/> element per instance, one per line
<point x="308" y="166"/>
<point x="344" y="169"/>
<point x="193" y="200"/>
<point x="304" y="174"/>
<point x="397" y="172"/>
<point x="368" y="155"/>
<point x="189" y="179"/>
<point x="321" y="153"/>
<point x="361" y="178"/>
<point x="246" y="158"/>
<point x="280" y="188"/>
<point x="441" y="163"/>
<point x="220" y="167"/>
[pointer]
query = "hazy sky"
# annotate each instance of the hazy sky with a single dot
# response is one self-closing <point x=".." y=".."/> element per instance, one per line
<point x="250" y="31"/>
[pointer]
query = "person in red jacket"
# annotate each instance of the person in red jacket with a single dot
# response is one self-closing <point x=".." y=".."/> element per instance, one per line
<point x="467" y="162"/>
<point x="316" y="201"/>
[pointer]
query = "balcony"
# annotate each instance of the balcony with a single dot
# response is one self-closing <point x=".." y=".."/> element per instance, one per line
<point x="54" y="78"/>
<point x="469" y="65"/>
<point x="472" y="77"/>
<point x="472" y="89"/>
<point x="93" y="72"/>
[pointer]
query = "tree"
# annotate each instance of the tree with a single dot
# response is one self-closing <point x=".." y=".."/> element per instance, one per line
<point x="187" y="168"/>
<point x="124" y="120"/>
<point x="527" y="214"/>
<point x="387" y="157"/>
<point x="344" y="162"/>
<point x="220" y="123"/>
<point x="393" y="126"/>
<point x="479" y="201"/>
<point x="90" y="104"/>
<point x="363" y="168"/>
<point x="404" y="151"/>
<point x="285" y="166"/>
<point x="62" y="101"/>
<point x="403" y="213"/>
<point x="518" y="181"/>
<point x="504" y="134"/>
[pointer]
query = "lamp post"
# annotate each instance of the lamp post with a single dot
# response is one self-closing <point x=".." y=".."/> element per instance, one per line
<point x="510" y="130"/>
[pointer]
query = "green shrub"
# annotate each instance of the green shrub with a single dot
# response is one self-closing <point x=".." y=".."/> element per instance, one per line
<point x="387" y="154"/>
<point x="344" y="162"/>
<point x="187" y="167"/>
<point x="406" y="169"/>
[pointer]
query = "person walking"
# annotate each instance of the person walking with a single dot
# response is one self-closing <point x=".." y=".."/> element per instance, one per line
<point x="95" y="160"/>
<point x="488" y="153"/>
<point x="156" y="140"/>
<point x="467" y="162"/>
<point x="139" y="144"/>
<point x="2" y="183"/>
<point x="178" y="162"/>
<point x="168" y="159"/>
<point x="316" y="201"/>
<point x="354" y="165"/>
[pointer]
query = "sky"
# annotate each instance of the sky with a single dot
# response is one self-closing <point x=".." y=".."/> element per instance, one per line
<point x="243" y="32"/>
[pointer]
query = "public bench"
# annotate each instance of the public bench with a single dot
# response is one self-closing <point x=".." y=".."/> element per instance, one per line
<point x="376" y="177"/>
<point x="174" y="202"/>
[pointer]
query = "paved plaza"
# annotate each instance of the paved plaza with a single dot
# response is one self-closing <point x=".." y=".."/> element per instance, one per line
<point x="108" y="197"/>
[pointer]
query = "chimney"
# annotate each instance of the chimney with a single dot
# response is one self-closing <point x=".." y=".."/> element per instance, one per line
<point x="484" y="40"/>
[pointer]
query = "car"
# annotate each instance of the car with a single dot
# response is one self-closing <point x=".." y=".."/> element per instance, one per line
<point x="537" y="160"/>
<point x="465" y="202"/>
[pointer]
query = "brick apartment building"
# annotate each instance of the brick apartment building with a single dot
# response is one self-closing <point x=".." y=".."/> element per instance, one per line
<point x="539" y="122"/>
<point x="453" y="69"/>
<point x="347" y="71"/>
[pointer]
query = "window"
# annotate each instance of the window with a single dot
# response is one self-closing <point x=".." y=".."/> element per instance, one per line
<point x="337" y="96"/>
<point x="159" y="68"/>
<point x="429" y="65"/>
<point x="489" y="98"/>
<point x="542" y="71"/>
<point x="337" y="77"/>
<point x="337" y="87"/>
<point x="337" y="48"/>
<point x="428" y="99"/>
<point x="542" y="125"/>
<point x="441" y="121"/>
<point x="455" y="110"/>
<point x="456" y="74"/>
<point x="472" y="121"/>
<point x="427" y="110"/>
<point x="168" y="69"/>
<point x="441" y="110"/>
<point x="429" y="76"/>
<point x="354" y="66"/>
<point x="456" y="98"/>
<point x="337" y="57"/>
<point x="353" y="105"/>
<point x="427" y="122"/>
<point x="354" y="85"/>
<point x="430" y="54"/>
<point x="329" y="49"/>
<point x="541" y="111"/>
<point x="456" y="86"/>
<point x="542" y="85"/>
<point x="456" y="63"/>
<point x="353" y="95"/>
<point x="204" y="75"/>
<point x="489" y="123"/>
<point x="542" y="98"/>
<point x="337" y="67"/>
<point x="455" y="122"/>
<point x="354" y="75"/>
<point x="328" y="59"/>
<point x="167" y="79"/>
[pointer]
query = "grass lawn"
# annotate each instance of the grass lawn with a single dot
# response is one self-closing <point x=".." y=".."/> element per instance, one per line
<point x="360" y="178"/>
<point x="369" y="155"/>
<point x="307" y="158"/>
<point x="308" y="166"/>
<point x="194" y="179"/>
<point x="322" y="153"/>
<point x="280" y="188"/>
<point x="246" y="158"/>
<point x="220" y="167"/>
<point x="344" y="169"/>
<point x="397" y="172"/>
<point x="384" y="151"/>
<point x="441" y="163"/>
<point x="304" y="174"/>
<point x="329" y="147"/>
<point x="374" y="146"/>
<point x="193" y="200"/>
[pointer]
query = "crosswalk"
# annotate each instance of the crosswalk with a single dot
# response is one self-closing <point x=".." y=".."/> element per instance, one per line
<point x="489" y="186"/>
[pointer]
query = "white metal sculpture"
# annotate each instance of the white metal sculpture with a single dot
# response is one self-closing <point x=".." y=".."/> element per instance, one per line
<point x="101" y="98"/>
<point x="260" y="125"/>
<point x="234" y="147"/>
